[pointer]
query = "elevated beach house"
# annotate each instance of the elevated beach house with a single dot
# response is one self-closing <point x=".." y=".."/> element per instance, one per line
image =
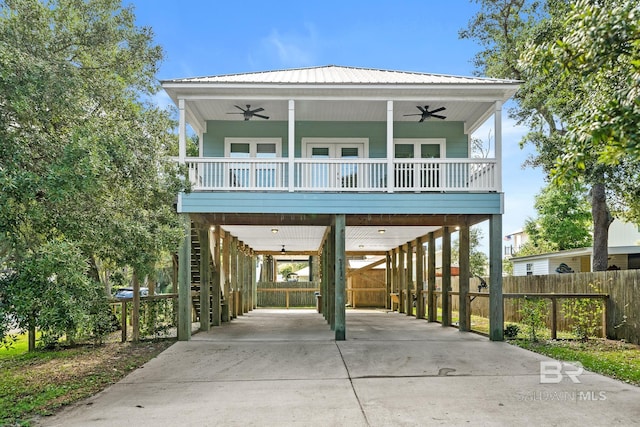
<point x="335" y="162"/>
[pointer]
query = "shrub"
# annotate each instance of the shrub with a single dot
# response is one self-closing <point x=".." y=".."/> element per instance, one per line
<point x="585" y="313"/>
<point x="533" y="312"/>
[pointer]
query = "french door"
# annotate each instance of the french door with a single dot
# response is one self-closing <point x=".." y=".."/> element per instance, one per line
<point x="335" y="174"/>
<point x="418" y="176"/>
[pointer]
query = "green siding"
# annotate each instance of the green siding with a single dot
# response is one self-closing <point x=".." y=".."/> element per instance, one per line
<point x="376" y="132"/>
<point x="341" y="203"/>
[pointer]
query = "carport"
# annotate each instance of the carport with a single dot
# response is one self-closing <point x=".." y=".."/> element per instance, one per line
<point x="408" y="243"/>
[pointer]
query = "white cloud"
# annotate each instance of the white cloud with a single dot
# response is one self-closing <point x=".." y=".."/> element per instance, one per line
<point x="292" y="49"/>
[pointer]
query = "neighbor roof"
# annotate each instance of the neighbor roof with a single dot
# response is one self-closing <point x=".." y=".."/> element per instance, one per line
<point x="333" y="74"/>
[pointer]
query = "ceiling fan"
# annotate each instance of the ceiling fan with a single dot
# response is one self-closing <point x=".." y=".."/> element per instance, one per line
<point x="249" y="113"/>
<point x="425" y="113"/>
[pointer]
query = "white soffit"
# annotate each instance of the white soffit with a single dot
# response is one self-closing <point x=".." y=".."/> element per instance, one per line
<point x="309" y="238"/>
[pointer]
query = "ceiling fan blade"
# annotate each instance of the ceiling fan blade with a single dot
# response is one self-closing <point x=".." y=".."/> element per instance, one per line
<point x="421" y="120"/>
<point x="426" y="107"/>
<point x="261" y="116"/>
<point x="239" y="108"/>
<point x="257" y="110"/>
<point x="437" y="116"/>
<point x="437" y="110"/>
<point x="412" y="115"/>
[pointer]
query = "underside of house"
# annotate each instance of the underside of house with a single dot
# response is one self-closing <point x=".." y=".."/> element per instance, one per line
<point x="332" y="163"/>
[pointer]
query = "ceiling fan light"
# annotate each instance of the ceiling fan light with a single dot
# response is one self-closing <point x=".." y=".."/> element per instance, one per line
<point x="274" y="230"/>
<point x="382" y="231"/>
<point x="283" y="251"/>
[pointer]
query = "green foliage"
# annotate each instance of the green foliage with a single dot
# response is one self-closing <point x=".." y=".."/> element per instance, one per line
<point x="533" y="312"/>
<point x="578" y="63"/>
<point x="613" y="359"/>
<point x="511" y="331"/>
<point x="478" y="260"/>
<point x="563" y="221"/>
<point x="51" y="291"/>
<point x="84" y="158"/>
<point x="585" y="313"/>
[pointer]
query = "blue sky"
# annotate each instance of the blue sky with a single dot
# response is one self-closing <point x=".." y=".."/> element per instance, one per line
<point x="211" y="37"/>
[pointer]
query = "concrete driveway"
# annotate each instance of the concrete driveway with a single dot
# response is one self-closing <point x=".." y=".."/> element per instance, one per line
<point x="282" y="367"/>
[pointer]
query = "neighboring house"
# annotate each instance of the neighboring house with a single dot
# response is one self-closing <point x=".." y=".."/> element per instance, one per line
<point x="514" y="241"/>
<point x="337" y="161"/>
<point x="624" y="254"/>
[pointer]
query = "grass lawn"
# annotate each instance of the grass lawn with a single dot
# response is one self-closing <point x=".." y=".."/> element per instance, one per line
<point x="38" y="383"/>
<point x="614" y="359"/>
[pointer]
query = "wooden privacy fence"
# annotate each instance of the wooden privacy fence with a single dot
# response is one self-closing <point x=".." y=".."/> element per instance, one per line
<point x="622" y="308"/>
<point x="287" y="294"/>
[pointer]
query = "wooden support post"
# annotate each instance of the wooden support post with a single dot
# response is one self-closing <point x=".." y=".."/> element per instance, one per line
<point x="409" y="281"/>
<point x="496" y="305"/>
<point x="205" y="278"/>
<point x="340" y="277"/>
<point x="402" y="279"/>
<point x="184" y="282"/>
<point x="419" y="278"/>
<point x="332" y="281"/>
<point x="226" y="280"/>
<point x="605" y="306"/>
<point x="387" y="300"/>
<point x="123" y="321"/>
<point x="216" y="278"/>
<point x="554" y="318"/>
<point x="446" y="276"/>
<point x="234" y="275"/>
<point x="464" y="252"/>
<point x="432" y="306"/>
<point x="135" y="310"/>
<point x="325" y="280"/>
<point x="394" y="277"/>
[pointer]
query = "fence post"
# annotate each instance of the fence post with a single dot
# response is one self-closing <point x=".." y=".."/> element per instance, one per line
<point x="554" y="318"/>
<point x="124" y="320"/>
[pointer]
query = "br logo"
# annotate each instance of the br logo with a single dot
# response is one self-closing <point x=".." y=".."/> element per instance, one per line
<point x="552" y="371"/>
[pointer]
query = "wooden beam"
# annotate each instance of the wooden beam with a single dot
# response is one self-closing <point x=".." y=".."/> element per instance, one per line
<point x="184" y="281"/>
<point x="431" y="280"/>
<point x="419" y="278"/>
<point x="205" y="278"/>
<point x="409" y="281"/>
<point x="366" y="267"/>
<point x="340" y="277"/>
<point x="402" y="279"/>
<point x="387" y="298"/>
<point x="463" y="300"/>
<point x="496" y="305"/>
<point x="446" y="276"/>
<point x="216" y="278"/>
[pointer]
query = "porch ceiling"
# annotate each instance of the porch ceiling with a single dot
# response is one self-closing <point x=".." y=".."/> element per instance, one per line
<point x="469" y="111"/>
<point x="308" y="238"/>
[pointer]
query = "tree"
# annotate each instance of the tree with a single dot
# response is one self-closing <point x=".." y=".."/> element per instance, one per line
<point x="478" y="260"/>
<point x="518" y="39"/>
<point x="563" y="221"/>
<point x="83" y="157"/>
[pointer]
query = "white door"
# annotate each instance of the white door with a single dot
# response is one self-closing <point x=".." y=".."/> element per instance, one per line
<point x="335" y="174"/>
<point x="418" y="176"/>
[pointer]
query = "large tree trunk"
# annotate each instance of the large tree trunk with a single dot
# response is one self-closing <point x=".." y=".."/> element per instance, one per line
<point x="602" y="219"/>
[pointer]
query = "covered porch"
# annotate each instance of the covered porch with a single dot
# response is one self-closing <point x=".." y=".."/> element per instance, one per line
<point x="233" y="243"/>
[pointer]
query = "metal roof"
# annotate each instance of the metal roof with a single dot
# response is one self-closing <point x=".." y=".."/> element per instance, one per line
<point x="333" y="74"/>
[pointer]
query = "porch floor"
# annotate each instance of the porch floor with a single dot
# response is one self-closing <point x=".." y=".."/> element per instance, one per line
<point x="282" y="367"/>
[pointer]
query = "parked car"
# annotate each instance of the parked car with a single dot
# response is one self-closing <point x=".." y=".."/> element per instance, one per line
<point x="123" y="293"/>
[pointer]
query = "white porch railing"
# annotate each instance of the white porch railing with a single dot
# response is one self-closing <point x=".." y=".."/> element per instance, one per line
<point x="337" y="175"/>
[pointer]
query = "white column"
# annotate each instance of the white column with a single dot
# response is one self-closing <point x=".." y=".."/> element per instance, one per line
<point x="201" y="144"/>
<point x="292" y="142"/>
<point x="390" y="172"/>
<point x="498" y="125"/>
<point x="182" y="132"/>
